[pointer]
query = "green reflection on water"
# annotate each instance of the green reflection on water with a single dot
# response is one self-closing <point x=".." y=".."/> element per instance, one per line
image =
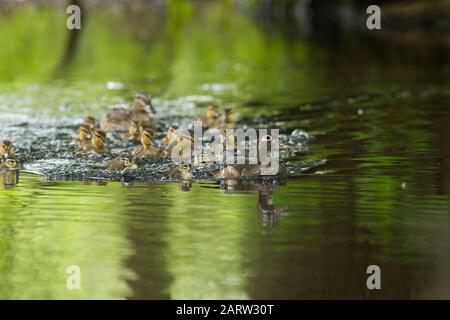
<point x="46" y="227"/>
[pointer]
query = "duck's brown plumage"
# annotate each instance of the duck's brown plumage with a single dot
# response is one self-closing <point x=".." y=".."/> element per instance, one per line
<point x="120" y="118"/>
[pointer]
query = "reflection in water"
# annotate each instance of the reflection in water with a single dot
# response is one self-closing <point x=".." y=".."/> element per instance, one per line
<point x="9" y="178"/>
<point x="268" y="213"/>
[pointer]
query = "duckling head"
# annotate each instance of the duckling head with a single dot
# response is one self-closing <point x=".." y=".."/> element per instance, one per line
<point x="98" y="138"/>
<point x="142" y="101"/>
<point x="230" y="115"/>
<point x="186" y="138"/>
<point x="7" y="149"/>
<point x="147" y="137"/>
<point x="171" y="130"/>
<point x="83" y="132"/>
<point x="134" y="128"/>
<point x="212" y="112"/>
<point x="128" y="163"/>
<point x="185" y="171"/>
<point x="11" y="164"/>
<point x="89" y="122"/>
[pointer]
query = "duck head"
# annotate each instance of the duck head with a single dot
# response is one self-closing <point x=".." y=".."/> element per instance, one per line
<point x="135" y="128"/>
<point x="98" y="138"/>
<point x="89" y="122"/>
<point x="11" y="164"/>
<point x="212" y="112"/>
<point x="230" y="115"/>
<point x="83" y="132"/>
<point x="146" y="137"/>
<point x="143" y="102"/>
<point x="7" y="149"/>
<point x="170" y="131"/>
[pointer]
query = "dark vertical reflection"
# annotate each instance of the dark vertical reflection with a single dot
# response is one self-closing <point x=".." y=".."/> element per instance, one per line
<point x="147" y="227"/>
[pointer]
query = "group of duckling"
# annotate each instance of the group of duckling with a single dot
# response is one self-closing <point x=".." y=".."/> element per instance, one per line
<point x="138" y="123"/>
<point x="137" y="126"/>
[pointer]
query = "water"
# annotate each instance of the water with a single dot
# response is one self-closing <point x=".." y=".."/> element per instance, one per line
<point x="371" y="186"/>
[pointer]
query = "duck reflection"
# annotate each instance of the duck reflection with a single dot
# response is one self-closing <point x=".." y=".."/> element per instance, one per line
<point x="9" y="178"/>
<point x="268" y="213"/>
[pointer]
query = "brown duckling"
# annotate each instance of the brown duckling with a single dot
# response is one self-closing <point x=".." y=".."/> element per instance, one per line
<point x="134" y="132"/>
<point x="229" y="119"/>
<point x="122" y="162"/>
<point x="170" y="136"/>
<point x="90" y="122"/>
<point x="10" y="164"/>
<point x="84" y="135"/>
<point x="97" y="143"/>
<point x="212" y="118"/>
<point x="183" y="173"/>
<point x="147" y="149"/>
<point x="120" y="118"/>
<point x="7" y="149"/>
<point x="184" y="145"/>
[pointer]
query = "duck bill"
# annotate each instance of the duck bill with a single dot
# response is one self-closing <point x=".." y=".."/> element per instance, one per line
<point x="150" y="106"/>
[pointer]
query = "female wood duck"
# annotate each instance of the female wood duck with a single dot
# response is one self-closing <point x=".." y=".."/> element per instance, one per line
<point x="146" y="149"/>
<point x="7" y="150"/>
<point x="120" y="118"/>
<point x="134" y="132"/>
<point x="122" y="162"/>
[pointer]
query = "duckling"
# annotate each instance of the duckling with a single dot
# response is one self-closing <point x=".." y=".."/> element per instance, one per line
<point x="211" y="120"/>
<point x="228" y="121"/>
<point x="10" y="164"/>
<point x="184" y="145"/>
<point x="90" y="122"/>
<point x="84" y="137"/>
<point x="134" y="132"/>
<point x="121" y="163"/>
<point x="146" y="149"/>
<point x="170" y="136"/>
<point x="120" y="118"/>
<point x="97" y="143"/>
<point x="183" y="173"/>
<point x="7" y="149"/>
